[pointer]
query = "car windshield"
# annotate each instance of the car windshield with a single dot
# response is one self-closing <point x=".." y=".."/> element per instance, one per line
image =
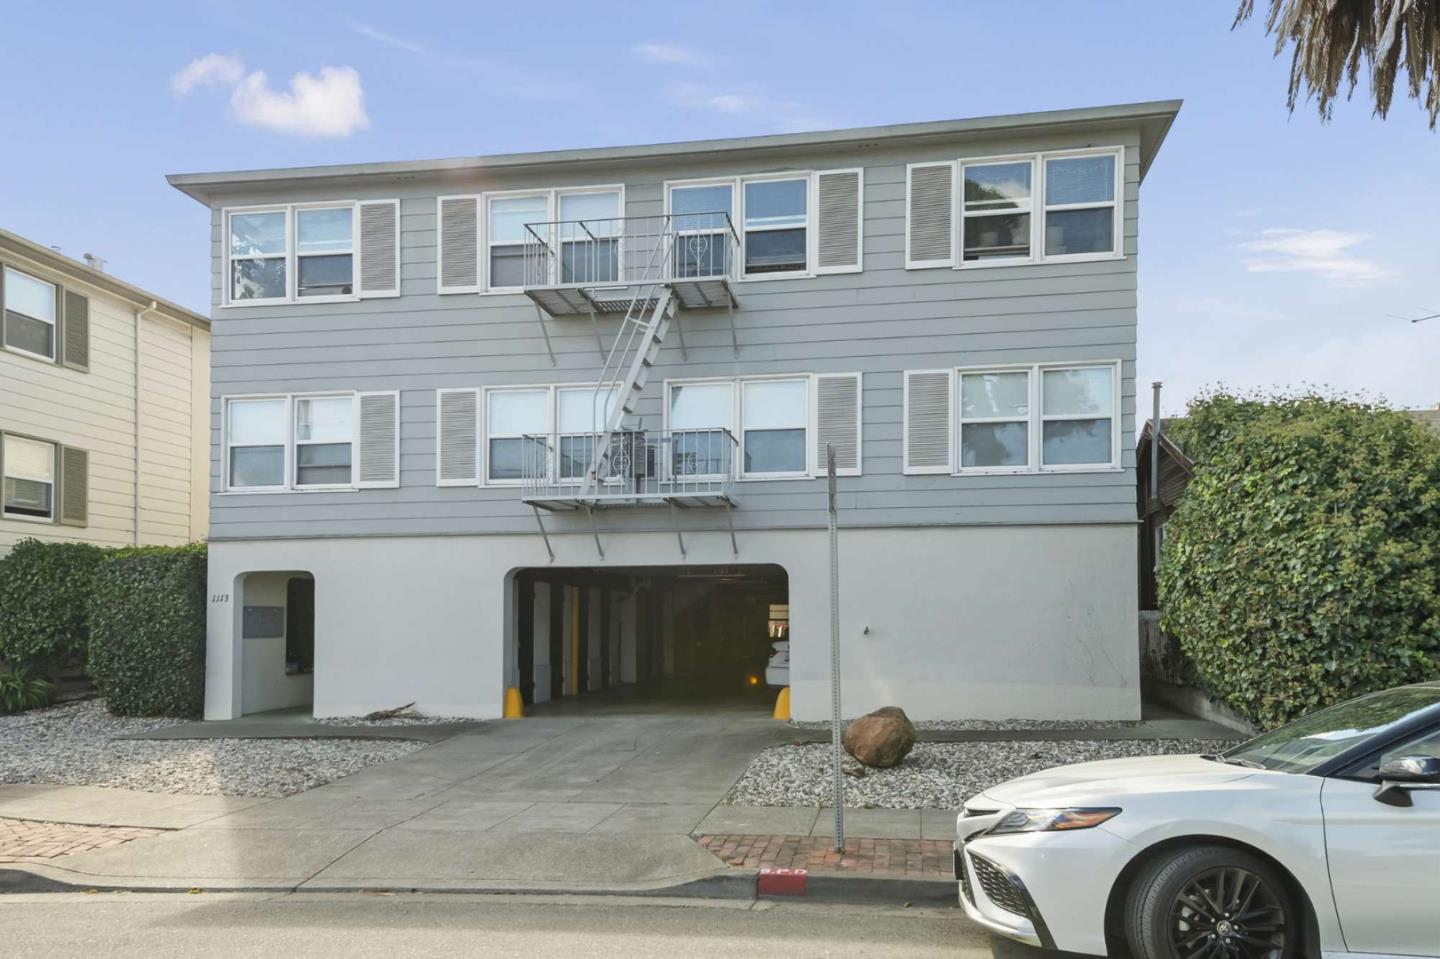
<point x="1310" y="740"/>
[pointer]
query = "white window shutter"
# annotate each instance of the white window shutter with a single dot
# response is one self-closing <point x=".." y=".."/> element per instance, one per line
<point x="839" y="220"/>
<point x="458" y="252"/>
<point x="457" y="460"/>
<point x="927" y="404"/>
<point x="837" y="422"/>
<point x="378" y="458"/>
<point x="379" y="248"/>
<point x="929" y="215"/>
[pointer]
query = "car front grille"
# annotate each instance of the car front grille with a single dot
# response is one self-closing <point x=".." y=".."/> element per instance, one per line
<point x="963" y="875"/>
<point x="998" y="887"/>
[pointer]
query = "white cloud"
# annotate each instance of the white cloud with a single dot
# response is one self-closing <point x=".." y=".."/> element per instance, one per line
<point x="669" y="53"/>
<point x="331" y="104"/>
<point x="380" y="36"/>
<point x="787" y="115"/>
<point x="1324" y="253"/>
<point x="217" y="68"/>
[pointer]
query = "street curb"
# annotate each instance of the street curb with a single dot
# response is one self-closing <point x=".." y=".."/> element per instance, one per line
<point x="735" y="885"/>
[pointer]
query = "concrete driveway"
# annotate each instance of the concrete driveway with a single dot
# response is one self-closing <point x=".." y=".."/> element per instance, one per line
<point x="541" y="803"/>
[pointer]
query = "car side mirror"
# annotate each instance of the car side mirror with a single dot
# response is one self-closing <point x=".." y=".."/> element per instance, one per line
<point x="1399" y="776"/>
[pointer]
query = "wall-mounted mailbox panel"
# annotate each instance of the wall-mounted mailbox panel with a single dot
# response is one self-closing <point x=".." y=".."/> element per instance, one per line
<point x="261" y="622"/>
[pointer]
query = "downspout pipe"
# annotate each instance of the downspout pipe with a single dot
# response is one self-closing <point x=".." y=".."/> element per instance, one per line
<point x="135" y="506"/>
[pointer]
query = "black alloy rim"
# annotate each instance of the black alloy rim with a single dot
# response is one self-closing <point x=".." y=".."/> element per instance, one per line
<point x="1227" y="913"/>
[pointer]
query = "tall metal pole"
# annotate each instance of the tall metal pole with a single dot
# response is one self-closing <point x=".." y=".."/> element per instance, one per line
<point x="838" y="795"/>
<point x="1153" y="507"/>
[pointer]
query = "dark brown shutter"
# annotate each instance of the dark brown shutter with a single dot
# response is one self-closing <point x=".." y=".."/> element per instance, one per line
<point x="74" y="509"/>
<point x="74" y="351"/>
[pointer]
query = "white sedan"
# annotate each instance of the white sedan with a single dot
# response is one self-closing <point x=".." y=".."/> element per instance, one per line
<point x="1319" y="838"/>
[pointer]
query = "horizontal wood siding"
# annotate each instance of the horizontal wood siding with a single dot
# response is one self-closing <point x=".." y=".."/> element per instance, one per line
<point x="880" y="321"/>
<point x="95" y="411"/>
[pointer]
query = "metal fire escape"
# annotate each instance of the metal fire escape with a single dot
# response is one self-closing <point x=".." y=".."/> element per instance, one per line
<point x="647" y="270"/>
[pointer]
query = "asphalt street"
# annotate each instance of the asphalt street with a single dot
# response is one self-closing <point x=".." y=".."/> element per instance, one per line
<point x="358" y="926"/>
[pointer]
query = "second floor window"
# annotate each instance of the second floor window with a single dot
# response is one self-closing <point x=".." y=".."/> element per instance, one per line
<point x="701" y="217"/>
<point x="996" y="214"/>
<point x="775" y="226"/>
<point x="323" y="433"/>
<point x="324" y="252"/>
<point x="302" y="252"/>
<point x="29" y="480"/>
<point x="29" y="314"/>
<point x="525" y="425"/>
<point x="256" y="436"/>
<point x="507" y="237"/>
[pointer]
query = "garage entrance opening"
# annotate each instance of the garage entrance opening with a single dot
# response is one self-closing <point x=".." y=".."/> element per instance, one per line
<point x="597" y="638"/>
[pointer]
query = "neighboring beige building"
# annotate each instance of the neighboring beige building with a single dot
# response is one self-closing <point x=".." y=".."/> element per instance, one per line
<point x="104" y="406"/>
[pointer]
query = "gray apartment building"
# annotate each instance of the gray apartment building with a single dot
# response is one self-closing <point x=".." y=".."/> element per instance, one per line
<point x="558" y="422"/>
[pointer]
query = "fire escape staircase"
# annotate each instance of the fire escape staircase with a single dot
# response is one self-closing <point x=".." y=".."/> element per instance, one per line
<point x="646" y="270"/>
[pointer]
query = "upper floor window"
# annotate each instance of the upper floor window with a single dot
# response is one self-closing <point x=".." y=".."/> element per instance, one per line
<point x="29" y="479"/>
<point x="530" y="421"/>
<point x="311" y="442"/>
<point x="1032" y="208"/>
<point x="769" y="415"/>
<point x="578" y="228"/>
<point x="775" y="226"/>
<point x="316" y="252"/>
<point x="30" y="314"/>
<point x="700" y="216"/>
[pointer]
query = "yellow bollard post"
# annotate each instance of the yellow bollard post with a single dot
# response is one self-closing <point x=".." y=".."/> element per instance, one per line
<point x="514" y="705"/>
<point x="782" y="704"/>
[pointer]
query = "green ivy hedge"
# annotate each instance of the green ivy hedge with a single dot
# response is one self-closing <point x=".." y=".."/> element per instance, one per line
<point x="1302" y="566"/>
<point x="147" y="631"/>
<point x="44" y="603"/>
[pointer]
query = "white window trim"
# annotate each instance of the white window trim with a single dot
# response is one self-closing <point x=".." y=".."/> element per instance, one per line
<point x="54" y="324"/>
<point x="736" y="425"/>
<point x="54" y="517"/>
<point x="291" y="256"/>
<point x="737" y="218"/>
<point x="289" y="485"/>
<point x="1038" y="209"/>
<point x="296" y="442"/>
<point x="552" y="208"/>
<point x="1037" y="419"/>
<point x="552" y="424"/>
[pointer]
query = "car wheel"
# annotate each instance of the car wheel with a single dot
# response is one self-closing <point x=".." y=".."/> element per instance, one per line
<point x="1211" y="902"/>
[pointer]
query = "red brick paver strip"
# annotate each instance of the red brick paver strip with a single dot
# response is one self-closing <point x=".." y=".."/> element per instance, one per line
<point x="28" y="840"/>
<point x="896" y="858"/>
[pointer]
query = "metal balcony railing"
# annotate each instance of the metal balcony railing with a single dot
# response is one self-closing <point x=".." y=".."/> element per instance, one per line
<point x="630" y="250"/>
<point x="689" y="467"/>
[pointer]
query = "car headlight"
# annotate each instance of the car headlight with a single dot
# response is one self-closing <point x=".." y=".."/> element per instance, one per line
<point x="1052" y="820"/>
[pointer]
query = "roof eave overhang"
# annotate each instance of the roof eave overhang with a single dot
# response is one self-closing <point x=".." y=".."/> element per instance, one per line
<point x="1153" y="118"/>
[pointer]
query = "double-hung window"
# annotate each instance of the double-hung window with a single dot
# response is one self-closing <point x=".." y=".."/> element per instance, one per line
<point x="702" y="420"/>
<point x="30" y="312"/>
<point x="324" y="251"/>
<point x="256" y="438"/>
<point x="589" y="239"/>
<point x="1080" y="205"/>
<point x="259" y="255"/>
<point x="507" y="237"/>
<point x="523" y="424"/>
<point x="581" y="412"/>
<point x="1077" y="416"/>
<point x="292" y="252"/>
<point x="701" y="217"/>
<point x="995" y="420"/>
<point x="29" y="479"/>
<point x="324" y="433"/>
<point x="311" y="442"/>
<point x="995" y="216"/>
<point x="773" y="419"/>
<point x="776" y="217"/>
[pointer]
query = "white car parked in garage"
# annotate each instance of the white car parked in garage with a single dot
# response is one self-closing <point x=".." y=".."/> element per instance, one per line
<point x="1319" y="838"/>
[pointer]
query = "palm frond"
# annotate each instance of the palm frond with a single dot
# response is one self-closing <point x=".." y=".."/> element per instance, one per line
<point x="1335" y="41"/>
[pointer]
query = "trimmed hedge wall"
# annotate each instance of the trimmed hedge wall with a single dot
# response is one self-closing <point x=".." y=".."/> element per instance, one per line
<point x="45" y="591"/>
<point x="147" y="631"/>
<point x="1302" y="566"/>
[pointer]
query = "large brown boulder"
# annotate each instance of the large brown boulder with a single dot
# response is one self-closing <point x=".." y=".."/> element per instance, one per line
<point x="882" y="738"/>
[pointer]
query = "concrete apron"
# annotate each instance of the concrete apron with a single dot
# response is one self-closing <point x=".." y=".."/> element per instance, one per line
<point x="600" y="804"/>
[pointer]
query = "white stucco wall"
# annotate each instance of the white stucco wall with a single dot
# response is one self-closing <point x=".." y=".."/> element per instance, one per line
<point x="956" y="622"/>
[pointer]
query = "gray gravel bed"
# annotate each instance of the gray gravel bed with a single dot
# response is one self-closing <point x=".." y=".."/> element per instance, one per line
<point x="933" y="776"/>
<point x="72" y="745"/>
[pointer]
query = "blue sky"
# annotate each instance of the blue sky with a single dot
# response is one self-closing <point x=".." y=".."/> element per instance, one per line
<point x="1272" y="246"/>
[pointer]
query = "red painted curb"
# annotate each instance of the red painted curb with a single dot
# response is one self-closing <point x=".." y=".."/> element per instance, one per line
<point x="781" y="882"/>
